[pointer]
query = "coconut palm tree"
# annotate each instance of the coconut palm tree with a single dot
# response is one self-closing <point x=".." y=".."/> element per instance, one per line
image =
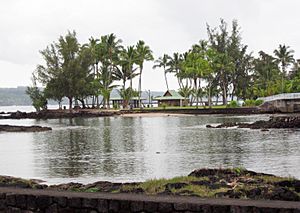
<point x="144" y="53"/>
<point x="175" y="63"/>
<point x="128" y="58"/>
<point x="285" y="57"/>
<point x="110" y="48"/>
<point x="92" y="45"/>
<point x="164" y="63"/>
<point x="186" y="92"/>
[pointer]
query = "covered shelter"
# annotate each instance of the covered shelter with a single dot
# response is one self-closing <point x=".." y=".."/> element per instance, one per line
<point x="171" y="98"/>
<point x="134" y="102"/>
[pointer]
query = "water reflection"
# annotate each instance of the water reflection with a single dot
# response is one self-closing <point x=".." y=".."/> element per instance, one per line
<point x="139" y="148"/>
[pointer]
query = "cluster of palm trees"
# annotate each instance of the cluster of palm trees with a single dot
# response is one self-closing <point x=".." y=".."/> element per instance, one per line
<point x="221" y="66"/>
<point x="218" y="66"/>
<point x="278" y="73"/>
<point x="114" y="62"/>
<point x="80" y="71"/>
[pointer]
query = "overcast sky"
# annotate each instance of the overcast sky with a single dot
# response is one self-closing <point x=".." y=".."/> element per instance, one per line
<point x="167" y="26"/>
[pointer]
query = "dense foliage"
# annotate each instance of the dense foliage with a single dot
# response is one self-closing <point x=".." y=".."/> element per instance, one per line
<point x="220" y="66"/>
<point x="80" y="71"/>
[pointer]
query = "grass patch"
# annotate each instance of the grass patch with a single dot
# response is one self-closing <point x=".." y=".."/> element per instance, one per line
<point x="156" y="186"/>
<point x="273" y="179"/>
<point x="199" y="190"/>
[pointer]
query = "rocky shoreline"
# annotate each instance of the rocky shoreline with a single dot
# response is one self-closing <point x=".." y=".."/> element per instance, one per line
<point x="54" y="114"/>
<point x="218" y="183"/>
<point x="13" y="128"/>
<point x="280" y="122"/>
<point x="86" y="113"/>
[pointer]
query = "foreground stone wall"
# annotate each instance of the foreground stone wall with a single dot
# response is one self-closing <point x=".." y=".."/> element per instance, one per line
<point x="28" y="200"/>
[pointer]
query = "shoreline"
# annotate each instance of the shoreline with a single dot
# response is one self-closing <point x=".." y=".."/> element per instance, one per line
<point x="87" y="113"/>
<point x="206" y="183"/>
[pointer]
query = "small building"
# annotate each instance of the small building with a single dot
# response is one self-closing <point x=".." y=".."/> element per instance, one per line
<point x="171" y="98"/>
<point x="134" y="102"/>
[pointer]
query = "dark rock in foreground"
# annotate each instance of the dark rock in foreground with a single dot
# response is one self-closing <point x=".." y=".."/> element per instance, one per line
<point x="218" y="183"/>
<point x="273" y="123"/>
<point x="9" y="128"/>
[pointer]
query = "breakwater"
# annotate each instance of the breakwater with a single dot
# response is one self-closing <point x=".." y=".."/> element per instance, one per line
<point x="29" y="200"/>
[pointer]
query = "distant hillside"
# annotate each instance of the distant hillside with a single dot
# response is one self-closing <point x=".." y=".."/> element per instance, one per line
<point x="14" y="96"/>
<point x="17" y="96"/>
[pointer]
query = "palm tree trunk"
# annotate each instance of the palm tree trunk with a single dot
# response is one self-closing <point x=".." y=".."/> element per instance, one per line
<point x="166" y="80"/>
<point x="224" y="90"/>
<point x="70" y="103"/>
<point x="209" y="95"/>
<point x="140" y="86"/>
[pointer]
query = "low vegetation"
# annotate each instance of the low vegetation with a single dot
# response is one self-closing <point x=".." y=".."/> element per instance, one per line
<point x="230" y="183"/>
<point x="213" y="183"/>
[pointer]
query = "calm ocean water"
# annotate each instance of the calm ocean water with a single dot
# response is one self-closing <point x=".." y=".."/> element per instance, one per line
<point x="139" y="148"/>
<point x="23" y="108"/>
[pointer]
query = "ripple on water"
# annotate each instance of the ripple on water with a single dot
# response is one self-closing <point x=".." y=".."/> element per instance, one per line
<point x="139" y="148"/>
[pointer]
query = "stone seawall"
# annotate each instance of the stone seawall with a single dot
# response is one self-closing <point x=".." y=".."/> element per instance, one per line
<point x="29" y="200"/>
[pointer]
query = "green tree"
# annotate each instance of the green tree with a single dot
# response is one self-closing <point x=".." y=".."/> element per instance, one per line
<point x="126" y="95"/>
<point x="175" y="65"/>
<point x="266" y="75"/>
<point x="195" y="67"/>
<point x="128" y="60"/>
<point x="186" y="92"/>
<point x="110" y="49"/>
<point x="285" y="57"/>
<point x="144" y="53"/>
<point x="68" y="65"/>
<point x="37" y="97"/>
<point x="93" y="46"/>
<point x="163" y="62"/>
<point x="219" y="40"/>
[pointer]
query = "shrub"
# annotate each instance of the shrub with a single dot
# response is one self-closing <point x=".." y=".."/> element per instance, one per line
<point x="252" y="103"/>
<point x="164" y="106"/>
<point x="116" y="106"/>
<point x="258" y="102"/>
<point x="232" y="104"/>
<point x="249" y="103"/>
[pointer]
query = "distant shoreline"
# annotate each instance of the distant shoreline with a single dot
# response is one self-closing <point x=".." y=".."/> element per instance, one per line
<point x="86" y="113"/>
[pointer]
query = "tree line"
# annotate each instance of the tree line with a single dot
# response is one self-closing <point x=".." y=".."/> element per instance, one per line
<point x="219" y="66"/>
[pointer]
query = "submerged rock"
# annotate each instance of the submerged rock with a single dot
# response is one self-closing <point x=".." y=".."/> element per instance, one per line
<point x="273" y="123"/>
<point x="53" y="114"/>
<point x="12" y="128"/>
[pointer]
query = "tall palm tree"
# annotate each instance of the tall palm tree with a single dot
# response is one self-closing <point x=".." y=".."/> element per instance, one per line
<point x="285" y="57"/>
<point x="122" y="74"/>
<point x="111" y="48"/>
<point x="144" y="53"/>
<point x="92" y="45"/>
<point x="175" y="63"/>
<point x="128" y="58"/>
<point x="164" y="63"/>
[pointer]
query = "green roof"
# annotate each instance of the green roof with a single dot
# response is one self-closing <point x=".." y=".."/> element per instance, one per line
<point x="170" y="95"/>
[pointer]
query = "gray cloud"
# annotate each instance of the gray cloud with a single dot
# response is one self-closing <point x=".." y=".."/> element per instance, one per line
<point x="166" y="25"/>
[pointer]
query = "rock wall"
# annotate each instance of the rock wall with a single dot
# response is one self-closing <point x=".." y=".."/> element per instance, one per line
<point x="29" y="200"/>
